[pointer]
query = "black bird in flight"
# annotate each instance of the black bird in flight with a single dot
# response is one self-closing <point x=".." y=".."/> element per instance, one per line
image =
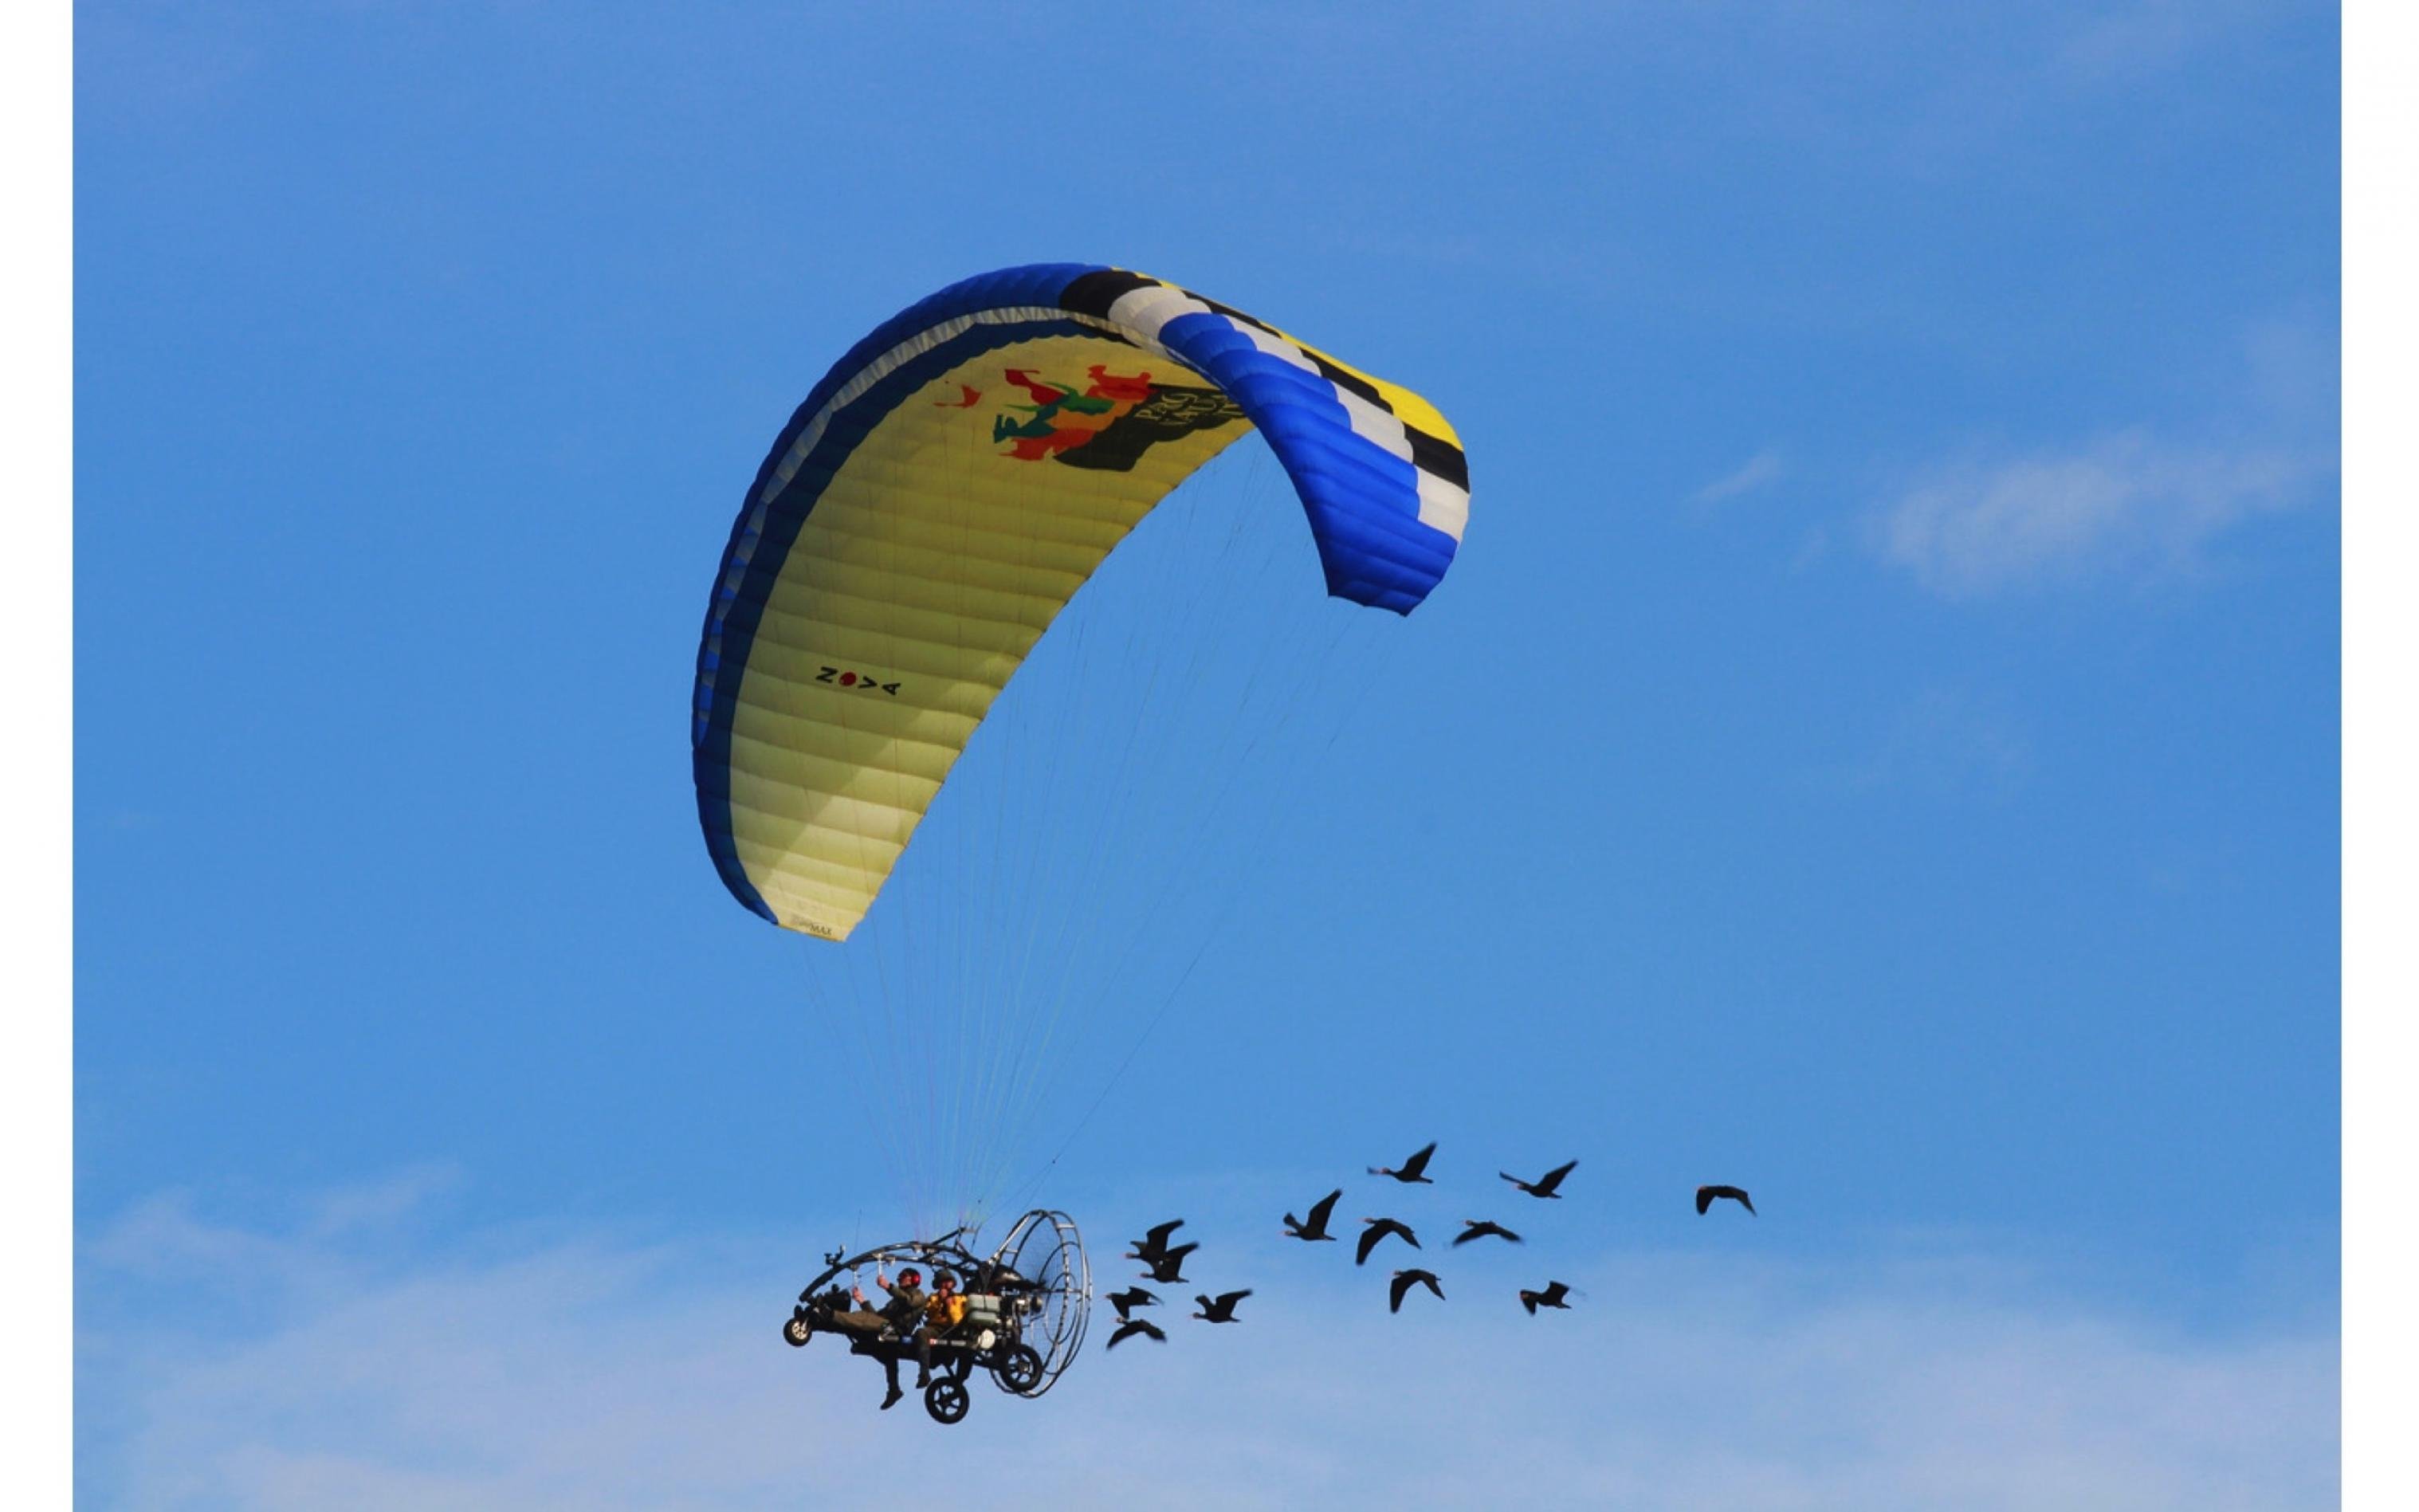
<point x="1316" y="1228"/>
<point x="1477" y="1229"/>
<point x="1414" y="1170"/>
<point x="1377" y="1229"/>
<point x="1705" y="1196"/>
<point x="1167" y="1267"/>
<point x="1551" y="1297"/>
<point x="1154" y="1241"/>
<point x="1222" y="1310"/>
<point x="1543" y="1185"/>
<point x="1130" y="1298"/>
<point x="1138" y="1325"/>
<point x="1404" y="1281"/>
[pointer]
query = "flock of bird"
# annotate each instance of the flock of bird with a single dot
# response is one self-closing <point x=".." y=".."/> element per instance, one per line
<point x="1162" y="1261"/>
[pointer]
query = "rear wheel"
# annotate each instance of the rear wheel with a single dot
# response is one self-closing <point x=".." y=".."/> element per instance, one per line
<point x="947" y="1399"/>
<point x="1019" y="1369"/>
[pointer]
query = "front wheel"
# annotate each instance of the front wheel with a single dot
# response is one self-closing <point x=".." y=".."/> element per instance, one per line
<point x="946" y="1400"/>
<point x="1019" y="1369"/>
<point x="796" y="1331"/>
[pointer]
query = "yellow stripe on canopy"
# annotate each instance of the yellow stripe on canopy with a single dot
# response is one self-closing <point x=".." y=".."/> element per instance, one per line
<point x="939" y="553"/>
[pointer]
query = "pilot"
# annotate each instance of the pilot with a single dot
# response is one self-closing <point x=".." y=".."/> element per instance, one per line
<point x="906" y="1305"/>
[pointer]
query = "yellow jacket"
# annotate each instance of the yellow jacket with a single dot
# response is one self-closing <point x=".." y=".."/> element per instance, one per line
<point x="945" y="1312"/>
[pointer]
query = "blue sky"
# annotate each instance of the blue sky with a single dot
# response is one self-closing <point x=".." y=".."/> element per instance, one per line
<point x="1878" y="744"/>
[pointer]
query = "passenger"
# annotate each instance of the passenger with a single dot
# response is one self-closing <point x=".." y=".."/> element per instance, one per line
<point x="905" y="1307"/>
<point x="944" y="1312"/>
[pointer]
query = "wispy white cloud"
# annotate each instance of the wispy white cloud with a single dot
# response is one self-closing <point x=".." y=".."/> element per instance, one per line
<point x="2127" y="502"/>
<point x="1950" y="742"/>
<point x="2118" y="43"/>
<point x="1754" y="473"/>
<point x="325" y="1239"/>
<point x="592" y="1374"/>
<point x="2295" y="379"/>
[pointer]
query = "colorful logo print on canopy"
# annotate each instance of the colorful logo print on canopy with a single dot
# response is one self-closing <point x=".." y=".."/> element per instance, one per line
<point x="1110" y="423"/>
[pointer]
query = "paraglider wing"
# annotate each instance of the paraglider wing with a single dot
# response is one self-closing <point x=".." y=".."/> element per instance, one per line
<point x="943" y="493"/>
